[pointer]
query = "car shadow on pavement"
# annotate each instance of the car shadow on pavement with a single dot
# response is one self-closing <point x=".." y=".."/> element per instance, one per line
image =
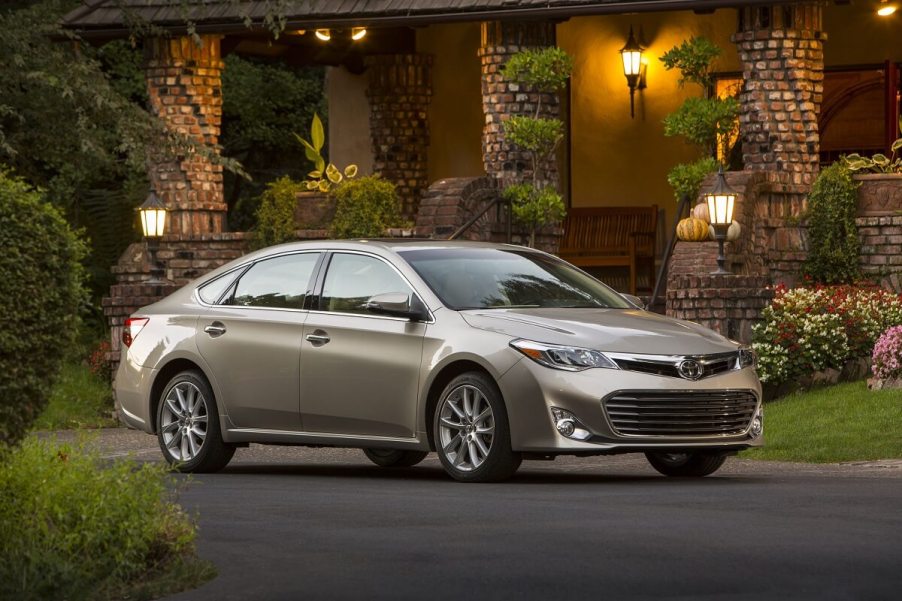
<point x="534" y="476"/>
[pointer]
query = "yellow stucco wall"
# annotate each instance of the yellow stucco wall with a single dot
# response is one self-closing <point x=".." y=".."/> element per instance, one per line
<point x="617" y="160"/>
<point x="349" y="120"/>
<point x="455" y="113"/>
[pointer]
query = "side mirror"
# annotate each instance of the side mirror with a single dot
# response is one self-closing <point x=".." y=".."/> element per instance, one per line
<point x="633" y="300"/>
<point x="397" y="304"/>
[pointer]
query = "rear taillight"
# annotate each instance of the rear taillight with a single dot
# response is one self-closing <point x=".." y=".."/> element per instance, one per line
<point x="133" y="326"/>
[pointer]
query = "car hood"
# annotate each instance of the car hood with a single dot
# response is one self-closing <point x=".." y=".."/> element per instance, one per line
<point x="613" y="330"/>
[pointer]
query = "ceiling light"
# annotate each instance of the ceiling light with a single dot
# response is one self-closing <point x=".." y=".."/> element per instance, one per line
<point x="357" y="33"/>
<point x="886" y="9"/>
<point x="324" y="34"/>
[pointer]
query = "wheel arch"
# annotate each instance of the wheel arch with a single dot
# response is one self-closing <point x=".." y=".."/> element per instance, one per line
<point x="166" y="373"/>
<point x="447" y="373"/>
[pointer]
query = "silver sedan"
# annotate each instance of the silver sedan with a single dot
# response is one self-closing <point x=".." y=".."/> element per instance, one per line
<point x="485" y="354"/>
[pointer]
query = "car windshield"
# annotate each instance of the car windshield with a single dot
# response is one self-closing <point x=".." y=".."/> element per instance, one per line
<point x="496" y="278"/>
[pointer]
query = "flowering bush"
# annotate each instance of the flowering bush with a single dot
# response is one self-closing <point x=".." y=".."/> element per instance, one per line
<point x="808" y="329"/>
<point x="887" y="357"/>
<point x="99" y="361"/>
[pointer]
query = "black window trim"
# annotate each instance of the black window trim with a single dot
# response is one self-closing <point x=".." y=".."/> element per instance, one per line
<point x="244" y="268"/>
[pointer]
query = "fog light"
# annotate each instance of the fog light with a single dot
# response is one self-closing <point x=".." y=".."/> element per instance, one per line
<point x="568" y="426"/>
<point x="757" y="425"/>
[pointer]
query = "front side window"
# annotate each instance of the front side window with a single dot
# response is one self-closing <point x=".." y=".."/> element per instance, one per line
<point x="282" y="282"/>
<point x="490" y="278"/>
<point x="353" y="279"/>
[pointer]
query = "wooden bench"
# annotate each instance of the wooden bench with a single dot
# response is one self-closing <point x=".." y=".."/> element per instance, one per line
<point x="612" y="237"/>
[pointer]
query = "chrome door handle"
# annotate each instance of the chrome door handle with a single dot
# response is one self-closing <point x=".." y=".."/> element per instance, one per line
<point x="215" y="329"/>
<point x="317" y="338"/>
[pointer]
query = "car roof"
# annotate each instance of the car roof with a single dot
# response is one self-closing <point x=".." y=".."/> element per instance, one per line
<point x="391" y="244"/>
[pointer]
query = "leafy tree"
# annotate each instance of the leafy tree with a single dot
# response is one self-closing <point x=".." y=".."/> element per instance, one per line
<point x="41" y="279"/>
<point x="263" y="104"/>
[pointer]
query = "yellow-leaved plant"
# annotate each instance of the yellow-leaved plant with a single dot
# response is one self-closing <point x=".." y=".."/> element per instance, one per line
<point x="324" y="175"/>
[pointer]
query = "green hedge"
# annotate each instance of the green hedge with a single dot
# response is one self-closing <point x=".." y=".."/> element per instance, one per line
<point x="41" y="278"/>
<point x="364" y="208"/>
<point x="72" y="527"/>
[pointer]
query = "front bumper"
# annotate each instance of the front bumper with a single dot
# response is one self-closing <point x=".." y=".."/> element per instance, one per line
<point x="531" y="390"/>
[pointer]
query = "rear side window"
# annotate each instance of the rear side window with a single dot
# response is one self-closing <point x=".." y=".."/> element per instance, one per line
<point x="282" y="282"/>
<point x="213" y="291"/>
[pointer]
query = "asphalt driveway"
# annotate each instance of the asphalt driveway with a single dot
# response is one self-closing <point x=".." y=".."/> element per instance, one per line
<point x="287" y="523"/>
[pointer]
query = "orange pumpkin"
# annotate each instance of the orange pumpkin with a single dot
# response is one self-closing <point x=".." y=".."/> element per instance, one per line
<point x="692" y="229"/>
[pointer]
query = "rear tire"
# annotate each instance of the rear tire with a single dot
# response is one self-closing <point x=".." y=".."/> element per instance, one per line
<point x="471" y="431"/>
<point x="188" y="425"/>
<point x="394" y="457"/>
<point x="686" y="465"/>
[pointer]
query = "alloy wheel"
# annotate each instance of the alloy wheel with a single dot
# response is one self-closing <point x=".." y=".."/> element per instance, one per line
<point x="466" y="427"/>
<point x="183" y="421"/>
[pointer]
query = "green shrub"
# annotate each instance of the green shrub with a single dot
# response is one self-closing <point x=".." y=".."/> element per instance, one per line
<point x="833" y="245"/>
<point x="365" y="208"/>
<point x="805" y="330"/>
<point x="275" y="215"/>
<point x="687" y="178"/>
<point x="71" y="525"/>
<point x="535" y="207"/>
<point x="41" y="275"/>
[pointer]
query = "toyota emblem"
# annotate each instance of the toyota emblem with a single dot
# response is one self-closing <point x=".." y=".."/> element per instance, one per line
<point x="690" y="369"/>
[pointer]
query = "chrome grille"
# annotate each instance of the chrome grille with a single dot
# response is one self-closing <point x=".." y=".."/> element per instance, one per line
<point x="664" y="365"/>
<point x="672" y="413"/>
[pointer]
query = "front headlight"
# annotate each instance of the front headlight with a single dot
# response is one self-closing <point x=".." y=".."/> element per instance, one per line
<point x="746" y="358"/>
<point x="563" y="357"/>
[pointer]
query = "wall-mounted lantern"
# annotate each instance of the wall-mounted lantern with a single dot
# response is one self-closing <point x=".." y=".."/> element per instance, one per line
<point x="721" y="200"/>
<point x="634" y="67"/>
<point x="153" y="226"/>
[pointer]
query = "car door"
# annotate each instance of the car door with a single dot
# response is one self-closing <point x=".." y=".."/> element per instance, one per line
<point x="359" y="371"/>
<point x="252" y="342"/>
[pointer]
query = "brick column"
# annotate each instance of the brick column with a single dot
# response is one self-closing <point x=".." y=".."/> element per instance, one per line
<point x="399" y="91"/>
<point x="502" y="99"/>
<point x="781" y="49"/>
<point x="185" y="89"/>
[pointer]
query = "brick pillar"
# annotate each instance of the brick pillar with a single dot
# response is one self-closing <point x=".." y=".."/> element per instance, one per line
<point x="185" y="89"/>
<point x="781" y="49"/>
<point x="399" y="91"/>
<point x="502" y="99"/>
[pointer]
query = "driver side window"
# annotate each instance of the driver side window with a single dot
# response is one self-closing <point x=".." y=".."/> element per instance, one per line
<point x="353" y="279"/>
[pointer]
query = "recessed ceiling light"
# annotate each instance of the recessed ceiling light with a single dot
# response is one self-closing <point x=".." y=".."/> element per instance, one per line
<point x="886" y="9"/>
<point x="357" y="33"/>
<point x="324" y="34"/>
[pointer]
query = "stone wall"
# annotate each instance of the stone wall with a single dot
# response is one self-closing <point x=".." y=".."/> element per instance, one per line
<point x="185" y="90"/>
<point x="729" y="304"/>
<point x="399" y="91"/>
<point x="450" y="203"/>
<point x="781" y="49"/>
<point x="502" y="99"/>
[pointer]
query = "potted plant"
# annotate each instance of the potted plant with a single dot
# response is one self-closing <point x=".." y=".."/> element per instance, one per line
<point x="880" y="192"/>
<point x="315" y="206"/>
<point x="536" y="203"/>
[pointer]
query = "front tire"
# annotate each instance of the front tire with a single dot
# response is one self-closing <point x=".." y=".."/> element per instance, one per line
<point x="188" y="425"/>
<point x="471" y="431"/>
<point x="686" y="465"/>
<point x="394" y="457"/>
